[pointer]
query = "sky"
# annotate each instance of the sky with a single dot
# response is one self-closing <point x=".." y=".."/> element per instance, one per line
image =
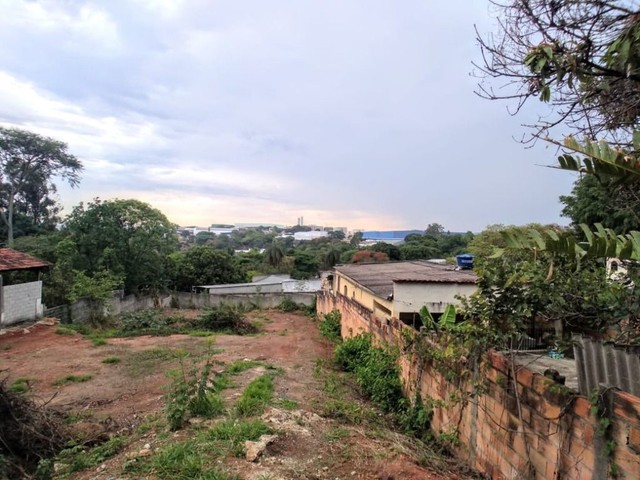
<point x="359" y="114"/>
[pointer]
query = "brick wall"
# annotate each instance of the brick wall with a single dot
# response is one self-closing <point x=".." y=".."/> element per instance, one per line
<point x="548" y="428"/>
<point x="21" y="302"/>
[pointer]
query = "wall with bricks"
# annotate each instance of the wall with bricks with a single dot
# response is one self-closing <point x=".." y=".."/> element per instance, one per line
<point x="21" y="302"/>
<point x="543" y="432"/>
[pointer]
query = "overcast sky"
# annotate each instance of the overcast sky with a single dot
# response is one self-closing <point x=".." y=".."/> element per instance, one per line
<point x="356" y="113"/>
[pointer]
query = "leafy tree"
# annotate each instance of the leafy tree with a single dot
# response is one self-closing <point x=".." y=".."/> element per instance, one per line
<point x="331" y="258"/>
<point x="204" y="265"/>
<point x="28" y="164"/>
<point x="434" y="229"/>
<point x="369" y="256"/>
<point x="274" y="254"/>
<point x="305" y="264"/>
<point x="580" y="56"/>
<point x="126" y="237"/>
<point x="356" y="238"/>
<point x="392" y="252"/>
<point x="594" y="200"/>
<point x="201" y="238"/>
<point x="337" y="235"/>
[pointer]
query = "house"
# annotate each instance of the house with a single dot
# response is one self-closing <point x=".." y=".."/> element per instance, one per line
<point x="400" y="289"/>
<point x="22" y="301"/>
<point x="262" y="284"/>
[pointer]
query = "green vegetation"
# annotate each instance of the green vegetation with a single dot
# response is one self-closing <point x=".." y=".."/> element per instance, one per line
<point x="79" y="458"/>
<point x="65" y="331"/>
<point x="191" y="391"/>
<point x="20" y="385"/>
<point x="72" y="379"/>
<point x="240" y="366"/>
<point x="256" y="396"/>
<point x="228" y="436"/>
<point x="330" y="325"/>
<point x="286" y="404"/>
<point x="111" y="360"/>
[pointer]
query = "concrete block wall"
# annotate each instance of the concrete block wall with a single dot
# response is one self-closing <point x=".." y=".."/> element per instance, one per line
<point x="546" y="431"/>
<point x="21" y="302"/>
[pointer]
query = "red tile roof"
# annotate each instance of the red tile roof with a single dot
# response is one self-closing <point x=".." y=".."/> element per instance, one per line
<point x="11" y="259"/>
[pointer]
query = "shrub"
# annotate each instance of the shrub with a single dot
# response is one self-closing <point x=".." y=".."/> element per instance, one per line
<point x="288" y="305"/>
<point x="376" y="371"/>
<point x="330" y="325"/>
<point x="226" y="317"/>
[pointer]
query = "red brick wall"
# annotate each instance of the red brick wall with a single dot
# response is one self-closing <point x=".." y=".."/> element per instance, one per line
<point x="551" y="430"/>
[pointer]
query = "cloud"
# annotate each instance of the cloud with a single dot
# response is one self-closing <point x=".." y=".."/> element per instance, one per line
<point x="351" y="112"/>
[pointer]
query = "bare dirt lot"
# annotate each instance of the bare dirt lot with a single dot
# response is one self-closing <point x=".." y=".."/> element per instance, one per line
<point x="117" y="390"/>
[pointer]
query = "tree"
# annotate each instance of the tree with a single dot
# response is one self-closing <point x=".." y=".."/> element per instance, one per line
<point x="28" y="163"/>
<point x="582" y="57"/>
<point x="337" y="235"/>
<point x="274" y="254"/>
<point x="356" y="238"/>
<point x="305" y="265"/>
<point x="203" y="265"/>
<point x="369" y="256"/>
<point x="434" y="229"/>
<point x="126" y="237"/>
<point x="392" y="252"/>
<point x="594" y="200"/>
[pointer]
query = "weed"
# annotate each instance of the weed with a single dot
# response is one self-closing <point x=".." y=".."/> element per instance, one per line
<point x="330" y="326"/>
<point x="72" y="379"/>
<point x="416" y="418"/>
<point x="229" y="435"/>
<point x="65" y="331"/>
<point x="240" y="366"/>
<point x="111" y="360"/>
<point x="191" y="393"/>
<point x="337" y="433"/>
<point x="75" y="417"/>
<point x="345" y="411"/>
<point x="226" y="317"/>
<point x="77" y="458"/>
<point x="98" y="341"/>
<point x="20" y="385"/>
<point x="288" y="305"/>
<point x="286" y="404"/>
<point x="180" y="461"/>
<point x="256" y="396"/>
<point x="376" y="370"/>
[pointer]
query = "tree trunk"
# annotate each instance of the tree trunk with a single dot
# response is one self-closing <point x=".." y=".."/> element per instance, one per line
<point x="9" y="221"/>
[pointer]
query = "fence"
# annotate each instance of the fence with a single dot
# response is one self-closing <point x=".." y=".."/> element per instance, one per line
<point x="82" y="310"/>
<point x="605" y="363"/>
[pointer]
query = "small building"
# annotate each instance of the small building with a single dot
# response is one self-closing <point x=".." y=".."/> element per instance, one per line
<point x="400" y="289"/>
<point x="21" y="301"/>
<point x="262" y="284"/>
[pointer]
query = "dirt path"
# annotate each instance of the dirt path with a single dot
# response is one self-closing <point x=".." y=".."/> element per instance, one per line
<point x="121" y="395"/>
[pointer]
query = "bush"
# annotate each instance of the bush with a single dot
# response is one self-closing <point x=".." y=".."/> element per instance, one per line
<point x="256" y="396"/>
<point x="226" y="317"/>
<point x="330" y="325"/>
<point x="288" y="305"/>
<point x="376" y="371"/>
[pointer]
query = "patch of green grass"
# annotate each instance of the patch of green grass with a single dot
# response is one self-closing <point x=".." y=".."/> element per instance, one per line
<point x="286" y="404"/>
<point x="337" y="433"/>
<point x="240" y="366"/>
<point x="256" y="396"/>
<point x="143" y="362"/>
<point x="65" y="331"/>
<point x="20" y="385"/>
<point x="180" y="461"/>
<point x="111" y="360"/>
<point x="72" y="379"/>
<point x="346" y="411"/>
<point x="75" y="417"/>
<point x="98" y="341"/>
<point x="228" y="436"/>
<point x="78" y="458"/>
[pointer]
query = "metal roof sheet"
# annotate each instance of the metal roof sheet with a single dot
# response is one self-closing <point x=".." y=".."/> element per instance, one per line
<point x="379" y="277"/>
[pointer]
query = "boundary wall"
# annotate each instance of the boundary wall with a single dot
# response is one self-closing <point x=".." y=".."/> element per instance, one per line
<point x="545" y="431"/>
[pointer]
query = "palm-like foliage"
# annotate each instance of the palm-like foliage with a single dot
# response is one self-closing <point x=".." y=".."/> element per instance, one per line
<point x="274" y="255"/>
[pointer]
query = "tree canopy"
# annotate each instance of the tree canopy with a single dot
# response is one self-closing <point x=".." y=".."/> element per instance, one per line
<point x="126" y="237"/>
<point x="582" y="57"/>
<point x="28" y="164"/>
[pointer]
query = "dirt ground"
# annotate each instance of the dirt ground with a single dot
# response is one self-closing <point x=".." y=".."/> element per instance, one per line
<point x="119" y="397"/>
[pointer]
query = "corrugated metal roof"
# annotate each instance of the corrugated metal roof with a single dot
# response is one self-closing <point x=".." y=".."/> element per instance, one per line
<point x="11" y="259"/>
<point x="379" y="277"/>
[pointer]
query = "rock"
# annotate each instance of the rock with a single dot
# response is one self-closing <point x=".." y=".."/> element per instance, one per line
<point x="255" y="449"/>
<point x="145" y="452"/>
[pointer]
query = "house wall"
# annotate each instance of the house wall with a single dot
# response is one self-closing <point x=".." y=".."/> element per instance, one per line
<point x="250" y="288"/>
<point x="21" y="302"/>
<point x="499" y="432"/>
<point x="410" y="297"/>
<point x="347" y="287"/>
